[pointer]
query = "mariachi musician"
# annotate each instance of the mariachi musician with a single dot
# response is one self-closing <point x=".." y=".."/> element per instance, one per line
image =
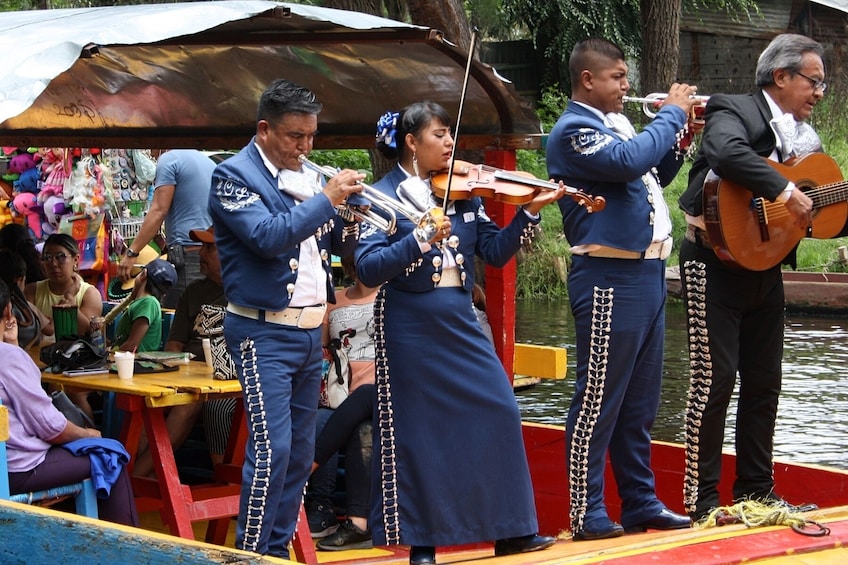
<point x="275" y="227"/>
<point x="449" y="457"/>
<point x="736" y="315"/>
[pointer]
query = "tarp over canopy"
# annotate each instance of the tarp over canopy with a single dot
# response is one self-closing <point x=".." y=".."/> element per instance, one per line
<point x="190" y="75"/>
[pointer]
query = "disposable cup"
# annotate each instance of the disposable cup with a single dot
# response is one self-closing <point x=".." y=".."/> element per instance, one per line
<point x="207" y="351"/>
<point x="125" y="361"/>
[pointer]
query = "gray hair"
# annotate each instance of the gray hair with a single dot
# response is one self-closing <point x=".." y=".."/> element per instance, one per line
<point x="785" y="52"/>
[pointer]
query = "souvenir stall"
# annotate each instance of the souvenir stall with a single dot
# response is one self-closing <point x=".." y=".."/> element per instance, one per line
<point x="98" y="196"/>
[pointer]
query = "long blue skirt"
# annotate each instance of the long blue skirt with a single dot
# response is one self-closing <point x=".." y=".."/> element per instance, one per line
<point x="449" y="460"/>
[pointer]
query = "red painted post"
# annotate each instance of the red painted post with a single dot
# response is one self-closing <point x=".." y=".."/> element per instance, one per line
<point x="500" y="283"/>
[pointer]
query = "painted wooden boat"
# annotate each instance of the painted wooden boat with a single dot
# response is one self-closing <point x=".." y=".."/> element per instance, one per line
<point x="36" y="535"/>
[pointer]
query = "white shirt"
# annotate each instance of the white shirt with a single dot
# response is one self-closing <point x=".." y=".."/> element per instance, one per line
<point x="310" y="287"/>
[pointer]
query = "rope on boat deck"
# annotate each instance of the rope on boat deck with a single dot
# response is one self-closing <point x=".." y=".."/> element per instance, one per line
<point x="756" y="513"/>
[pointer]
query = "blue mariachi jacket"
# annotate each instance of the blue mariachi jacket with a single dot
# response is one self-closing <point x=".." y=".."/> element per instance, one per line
<point x="398" y="259"/>
<point x="259" y="228"/>
<point x="586" y="154"/>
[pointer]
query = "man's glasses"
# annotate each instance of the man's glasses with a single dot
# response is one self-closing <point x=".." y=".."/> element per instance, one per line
<point x="48" y="257"/>
<point x="817" y="84"/>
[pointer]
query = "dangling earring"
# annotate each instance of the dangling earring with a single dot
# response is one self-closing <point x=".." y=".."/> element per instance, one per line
<point x="415" y="164"/>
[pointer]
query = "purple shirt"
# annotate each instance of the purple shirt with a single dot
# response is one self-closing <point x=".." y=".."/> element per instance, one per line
<point x="32" y="417"/>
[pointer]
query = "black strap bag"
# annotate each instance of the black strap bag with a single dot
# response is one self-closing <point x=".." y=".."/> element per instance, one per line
<point x="73" y="353"/>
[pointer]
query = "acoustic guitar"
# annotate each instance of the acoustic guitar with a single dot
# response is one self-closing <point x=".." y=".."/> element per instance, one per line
<point x="755" y="234"/>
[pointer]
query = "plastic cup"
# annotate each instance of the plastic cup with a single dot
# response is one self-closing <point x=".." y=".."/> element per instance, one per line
<point x="207" y="351"/>
<point x="125" y="361"/>
<point x="65" y="321"/>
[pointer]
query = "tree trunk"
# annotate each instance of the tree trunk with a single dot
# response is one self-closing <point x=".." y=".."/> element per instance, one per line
<point x="660" y="45"/>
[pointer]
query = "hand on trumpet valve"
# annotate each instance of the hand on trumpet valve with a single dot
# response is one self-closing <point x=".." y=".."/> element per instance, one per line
<point x="683" y="96"/>
<point x="345" y="183"/>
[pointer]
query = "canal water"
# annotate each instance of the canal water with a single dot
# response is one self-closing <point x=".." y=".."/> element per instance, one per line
<point x="812" y="422"/>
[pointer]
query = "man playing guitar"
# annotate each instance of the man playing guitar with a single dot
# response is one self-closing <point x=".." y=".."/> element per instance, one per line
<point x="736" y="313"/>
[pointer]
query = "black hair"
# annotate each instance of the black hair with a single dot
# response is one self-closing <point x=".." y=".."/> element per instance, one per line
<point x="413" y="119"/>
<point x="586" y="53"/>
<point x="285" y="97"/>
<point x="4" y="295"/>
<point x="63" y="240"/>
<point x="18" y="238"/>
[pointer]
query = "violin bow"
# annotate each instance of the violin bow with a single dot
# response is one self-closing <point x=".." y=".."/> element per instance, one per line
<point x="459" y="114"/>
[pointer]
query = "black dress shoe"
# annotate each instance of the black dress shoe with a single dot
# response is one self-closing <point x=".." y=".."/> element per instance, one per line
<point x="665" y="520"/>
<point x="523" y="544"/>
<point x="611" y="530"/>
<point x="422" y="555"/>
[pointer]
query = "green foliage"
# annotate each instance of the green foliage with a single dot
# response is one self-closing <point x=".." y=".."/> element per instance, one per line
<point x="356" y="159"/>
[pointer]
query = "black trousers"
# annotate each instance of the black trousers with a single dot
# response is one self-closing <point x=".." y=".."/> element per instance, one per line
<point x="735" y="323"/>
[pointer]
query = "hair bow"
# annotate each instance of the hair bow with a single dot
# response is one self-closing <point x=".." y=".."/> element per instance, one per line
<point x="387" y="129"/>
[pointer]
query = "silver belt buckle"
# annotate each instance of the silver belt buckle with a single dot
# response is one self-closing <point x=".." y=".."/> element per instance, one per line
<point x="311" y="317"/>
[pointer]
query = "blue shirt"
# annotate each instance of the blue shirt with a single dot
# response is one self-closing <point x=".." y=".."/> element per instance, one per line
<point x="190" y="172"/>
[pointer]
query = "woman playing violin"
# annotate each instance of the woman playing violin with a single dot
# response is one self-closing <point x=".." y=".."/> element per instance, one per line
<point x="448" y="451"/>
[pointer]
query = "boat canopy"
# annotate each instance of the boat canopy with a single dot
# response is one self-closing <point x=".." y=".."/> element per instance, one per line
<point x="190" y="75"/>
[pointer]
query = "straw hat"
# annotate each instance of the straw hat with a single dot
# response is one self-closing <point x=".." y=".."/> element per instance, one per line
<point x="118" y="290"/>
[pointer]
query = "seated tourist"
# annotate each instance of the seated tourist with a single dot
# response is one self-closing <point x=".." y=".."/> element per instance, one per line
<point x="30" y="319"/>
<point x="185" y="336"/>
<point x="37" y="431"/>
<point x="64" y="287"/>
<point x="140" y="328"/>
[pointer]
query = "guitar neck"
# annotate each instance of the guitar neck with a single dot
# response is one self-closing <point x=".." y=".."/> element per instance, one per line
<point x="827" y="194"/>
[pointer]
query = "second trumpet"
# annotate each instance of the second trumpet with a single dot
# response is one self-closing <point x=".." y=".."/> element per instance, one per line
<point x="649" y="103"/>
<point x="427" y="223"/>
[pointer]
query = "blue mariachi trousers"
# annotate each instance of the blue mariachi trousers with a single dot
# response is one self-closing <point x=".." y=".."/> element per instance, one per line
<point x="280" y="371"/>
<point x="619" y="313"/>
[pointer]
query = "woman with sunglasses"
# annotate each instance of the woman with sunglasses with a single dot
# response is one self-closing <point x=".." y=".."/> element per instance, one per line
<point x="64" y="287"/>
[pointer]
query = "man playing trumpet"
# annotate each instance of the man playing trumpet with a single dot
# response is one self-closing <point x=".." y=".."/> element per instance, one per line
<point x="276" y="227"/>
<point x="616" y="286"/>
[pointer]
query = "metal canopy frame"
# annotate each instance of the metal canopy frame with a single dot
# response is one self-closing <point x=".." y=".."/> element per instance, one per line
<point x="190" y="75"/>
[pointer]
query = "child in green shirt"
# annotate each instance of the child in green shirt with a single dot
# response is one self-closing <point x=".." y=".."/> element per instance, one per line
<point x="140" y="328"/>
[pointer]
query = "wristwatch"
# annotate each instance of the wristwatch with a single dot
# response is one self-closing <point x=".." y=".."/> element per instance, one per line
<point x="131" y="253"/>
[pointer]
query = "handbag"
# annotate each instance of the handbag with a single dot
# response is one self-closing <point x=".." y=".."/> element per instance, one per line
<point x="72" y="353"/>
<point x="210" y="323"/>
<point x="335" y="375"/>
<point x="72" y="412"/>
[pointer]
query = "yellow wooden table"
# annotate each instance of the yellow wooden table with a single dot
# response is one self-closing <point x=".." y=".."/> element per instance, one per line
<point x="144" y="398"/>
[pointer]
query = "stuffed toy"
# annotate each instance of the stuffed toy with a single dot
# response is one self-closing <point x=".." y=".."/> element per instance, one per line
<point x="27" y="182"/>
<point x="26" y="204"/>
<point x="54" y="209"/>
<point x="6" y="216"/>
<point x="54" y="167"/>
<point x="89" y="187"/>
<point x="19" y="164"/>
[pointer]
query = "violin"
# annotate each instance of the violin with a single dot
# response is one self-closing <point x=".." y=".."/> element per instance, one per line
<point x="510" y="187"/>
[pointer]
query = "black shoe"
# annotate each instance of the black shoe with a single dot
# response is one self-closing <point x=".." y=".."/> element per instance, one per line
<point x="422" y="555"/>
<point x="523" y="544"/>
<point x="665" y="520"/>
<point x="348" y="536"/>
<point x="322" y="521"/>
<point x="610" y="530"/>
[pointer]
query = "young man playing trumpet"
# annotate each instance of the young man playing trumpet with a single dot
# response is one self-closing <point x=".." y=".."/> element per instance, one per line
<point x="616" y="286"/>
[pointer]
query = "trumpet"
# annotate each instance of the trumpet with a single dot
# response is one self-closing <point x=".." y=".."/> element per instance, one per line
<point x="649" y="103"/>
<point x="427" y="223"/>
